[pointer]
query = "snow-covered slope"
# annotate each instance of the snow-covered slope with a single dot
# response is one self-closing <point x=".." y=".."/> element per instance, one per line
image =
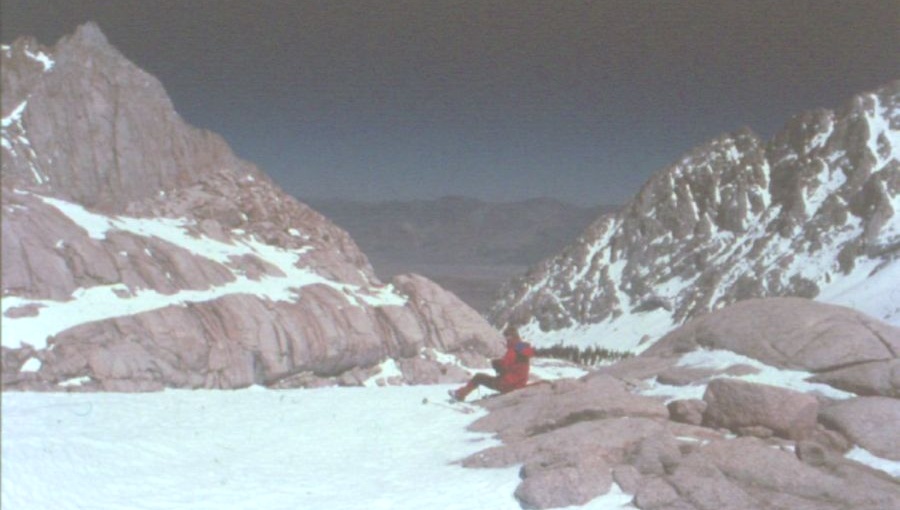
<point x="815" y="213"/>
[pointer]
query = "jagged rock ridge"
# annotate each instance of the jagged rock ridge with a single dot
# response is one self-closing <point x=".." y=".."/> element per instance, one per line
<point x="140" y="253"/>
<point x="810" y="213"/>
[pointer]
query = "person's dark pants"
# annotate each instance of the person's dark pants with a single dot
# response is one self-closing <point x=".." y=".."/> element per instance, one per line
<point x="488" y="381"/>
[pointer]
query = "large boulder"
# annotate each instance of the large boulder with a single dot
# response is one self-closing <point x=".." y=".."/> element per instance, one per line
<point x="563" y="483"/>
<point x="740" y="406"/>
<point x="841" y="346"/>
<point x="868" y="379"/>
<point x="548" y="406"/>
<point x="870" y="422"/>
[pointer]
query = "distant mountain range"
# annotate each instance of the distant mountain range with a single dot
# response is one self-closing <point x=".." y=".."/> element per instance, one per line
<point x="814" y="212"/>
<point x="459" y="230"/>
<point x="468" y="246"/>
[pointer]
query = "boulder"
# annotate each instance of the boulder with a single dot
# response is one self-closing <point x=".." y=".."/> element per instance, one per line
<point x="790" y="333"/>
<point x="656" y="455"/>
<point x="425" y="371"/>
<point x="736" y="405"/>
<point x="865" y="379"/>
<point x="870" y="422"/>
<point x="549" y="406"/>
<point x="571" y="441"/>
<point x="563" y="484"/>
<point x="656" y="493"/>
<point x="687" y="411"/>
<point x="749" y="473"/>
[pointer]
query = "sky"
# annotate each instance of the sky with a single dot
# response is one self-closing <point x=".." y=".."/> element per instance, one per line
<point x="497" y="100"/>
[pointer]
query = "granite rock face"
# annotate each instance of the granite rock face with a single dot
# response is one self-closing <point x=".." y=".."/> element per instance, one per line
<point x="141" y="253"/>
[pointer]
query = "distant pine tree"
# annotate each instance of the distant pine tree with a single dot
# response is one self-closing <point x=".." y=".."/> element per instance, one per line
<point x="589" y="357"/>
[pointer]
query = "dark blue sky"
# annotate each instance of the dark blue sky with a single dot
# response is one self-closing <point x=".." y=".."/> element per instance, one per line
<point x="499" y="100"/>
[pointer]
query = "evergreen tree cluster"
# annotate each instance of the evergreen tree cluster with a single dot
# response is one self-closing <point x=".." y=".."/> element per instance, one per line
<point x="589" y="357"/>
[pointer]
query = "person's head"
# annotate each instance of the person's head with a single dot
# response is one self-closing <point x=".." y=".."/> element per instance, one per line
<point x="511" y="334"/>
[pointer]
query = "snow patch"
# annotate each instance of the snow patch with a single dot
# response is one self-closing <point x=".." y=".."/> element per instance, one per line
<point x="15" y="140"/>
<point x="377" y="448"/>
<point x="77" y="381"/>
<point x="631" y="332"/>
<point x="722" y="360"/>
<point x="551" y="370"/>
<point x="111" y="301"/>
<point x="387" y="370"/>
<point x="15" y="116"/>
<point x="821" y="137"/>
<point x="870" y="288"/>
<point x="866" y="457"/>
<point x="41" y="58"/>
<point x="32" y="365"/>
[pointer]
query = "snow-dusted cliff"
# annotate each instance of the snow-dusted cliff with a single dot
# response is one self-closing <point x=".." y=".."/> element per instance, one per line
<point x="815" y="212"/>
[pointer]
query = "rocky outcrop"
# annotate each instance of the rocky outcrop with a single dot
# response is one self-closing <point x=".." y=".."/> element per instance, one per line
<point x="812" y="213"/>
<point x="140" y="253"/>
<point x="841" y="346"/>
<point x="664" y="464"/>
<point x="87" y="123"/>
<point x="786" y="443"/>
<point x="758" y="409"/>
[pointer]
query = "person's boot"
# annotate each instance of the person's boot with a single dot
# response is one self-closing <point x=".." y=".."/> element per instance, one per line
<point x="460" y="394"/>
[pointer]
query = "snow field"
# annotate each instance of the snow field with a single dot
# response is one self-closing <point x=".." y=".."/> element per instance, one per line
<point x="330" y="448"/>
<point x="335" y="448"/>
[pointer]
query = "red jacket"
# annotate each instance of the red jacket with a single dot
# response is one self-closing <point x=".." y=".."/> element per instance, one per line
<point x="513" y="367"/>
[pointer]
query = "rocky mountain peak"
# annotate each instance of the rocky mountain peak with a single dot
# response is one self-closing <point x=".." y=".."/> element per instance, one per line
<point x="812" y="210"/>
<point x="95" y="104"/>
<point x="88" y="35"/>
<point x="140" y="253"/>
